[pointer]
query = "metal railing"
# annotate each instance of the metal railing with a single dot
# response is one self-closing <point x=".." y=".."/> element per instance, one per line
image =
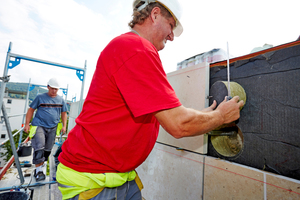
<point x="2" y="143"/>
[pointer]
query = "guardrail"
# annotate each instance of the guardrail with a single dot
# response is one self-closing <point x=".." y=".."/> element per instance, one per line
<point x="13" y="136"/>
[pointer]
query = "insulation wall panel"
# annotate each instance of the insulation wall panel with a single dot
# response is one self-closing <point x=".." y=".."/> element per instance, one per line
<point x="270" y="119"/>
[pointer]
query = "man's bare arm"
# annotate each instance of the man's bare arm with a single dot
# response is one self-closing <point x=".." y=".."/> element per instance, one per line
<point x="28" y="117"/>
<point x="64" y="121"/>
<point x="183" y="122"/>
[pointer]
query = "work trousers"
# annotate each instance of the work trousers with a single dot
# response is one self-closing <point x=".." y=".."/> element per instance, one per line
<point x="127" y="191"/>
<point x="42" y="143"/>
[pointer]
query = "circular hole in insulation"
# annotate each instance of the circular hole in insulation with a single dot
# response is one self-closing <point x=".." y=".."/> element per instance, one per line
<point x="230" y="146"/>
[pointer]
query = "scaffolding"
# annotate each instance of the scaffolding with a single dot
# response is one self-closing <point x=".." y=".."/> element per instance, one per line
<point x="12" y="60"/>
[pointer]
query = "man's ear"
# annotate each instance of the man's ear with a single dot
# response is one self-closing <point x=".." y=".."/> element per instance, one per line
<point x="155" y="13"/>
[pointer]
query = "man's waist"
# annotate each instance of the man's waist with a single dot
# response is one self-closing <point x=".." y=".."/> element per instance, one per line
<point x="72" y="182"/>
<point x="43" y="124"/>
<point x="89" y="166"/>
<point x="108" y="179"/>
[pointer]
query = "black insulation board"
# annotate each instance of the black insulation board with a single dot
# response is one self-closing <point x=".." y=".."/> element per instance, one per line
<point x="270" y="119"/>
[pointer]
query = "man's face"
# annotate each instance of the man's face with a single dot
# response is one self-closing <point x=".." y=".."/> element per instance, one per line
<point x="52" y="92"/>
<point x="164" y="32"/>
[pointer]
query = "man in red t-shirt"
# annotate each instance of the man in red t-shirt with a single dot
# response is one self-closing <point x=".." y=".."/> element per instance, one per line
<point x="128" y="98"/>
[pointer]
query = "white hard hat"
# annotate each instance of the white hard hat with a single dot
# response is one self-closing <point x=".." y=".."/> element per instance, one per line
<point x="53" y="83"/>
<point x="172" y="6"/>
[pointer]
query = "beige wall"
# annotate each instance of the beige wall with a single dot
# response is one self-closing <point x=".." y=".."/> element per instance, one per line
<point x="191" y="86"/>
<point x="181" y="175"/>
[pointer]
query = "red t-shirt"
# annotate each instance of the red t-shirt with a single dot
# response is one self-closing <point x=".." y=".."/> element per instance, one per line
<point x="116" y="130"/>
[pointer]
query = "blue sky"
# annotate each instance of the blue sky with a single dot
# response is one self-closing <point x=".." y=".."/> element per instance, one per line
<point x="72" y="31"/>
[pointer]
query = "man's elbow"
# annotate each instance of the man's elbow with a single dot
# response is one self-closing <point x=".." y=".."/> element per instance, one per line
<point x="177" y="132"/>
<point x="178" y="135"/>
<point x="175" y="121"/>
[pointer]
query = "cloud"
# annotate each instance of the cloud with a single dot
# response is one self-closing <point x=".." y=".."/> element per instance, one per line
<point x="60" y="31"/>
<point x="69" y="32"/>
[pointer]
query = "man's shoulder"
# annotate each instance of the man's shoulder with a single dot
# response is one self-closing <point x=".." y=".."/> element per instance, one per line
<point x="132" y="41"/>
<point x="42" y="94"/>
<point x="38" y="96"/>
<point x="123" y="48"/>
<point x="124" y="39"/>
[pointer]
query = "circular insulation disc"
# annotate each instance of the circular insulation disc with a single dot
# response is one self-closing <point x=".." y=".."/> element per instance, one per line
<point x="227" y="145"/>
<point x="219" y="91"/>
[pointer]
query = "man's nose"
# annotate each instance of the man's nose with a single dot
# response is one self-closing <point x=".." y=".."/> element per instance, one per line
<point x="171" y="36"/>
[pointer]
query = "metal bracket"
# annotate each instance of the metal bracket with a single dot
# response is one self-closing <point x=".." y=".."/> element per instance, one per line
<point x="80" y="74"/>
<point x="227" y="131"/>
<point x="65" y="91"/>
<point x="13" y="63"/>
<point x="5" y="79"/>
<point x="31" y="88"/>
<point x="221" y="133"/>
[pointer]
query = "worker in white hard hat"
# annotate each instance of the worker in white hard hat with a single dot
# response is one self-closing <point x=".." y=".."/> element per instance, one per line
<point x="159" y="33"/>
<point x="44" y="126"/>
<point x="129" y="97"/>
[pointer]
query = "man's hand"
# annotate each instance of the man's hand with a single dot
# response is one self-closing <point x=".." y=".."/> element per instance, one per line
<point x="210" y="108"/>
<point x="27" y="128"/>
<point x="230" y="110"/>
<point x="28" y="117"/>
<point x="63" y="130"/>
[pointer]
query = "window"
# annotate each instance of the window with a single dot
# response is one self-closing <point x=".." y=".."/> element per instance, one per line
<point x="9" y="101"/>
<point x="3" y="136"/>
